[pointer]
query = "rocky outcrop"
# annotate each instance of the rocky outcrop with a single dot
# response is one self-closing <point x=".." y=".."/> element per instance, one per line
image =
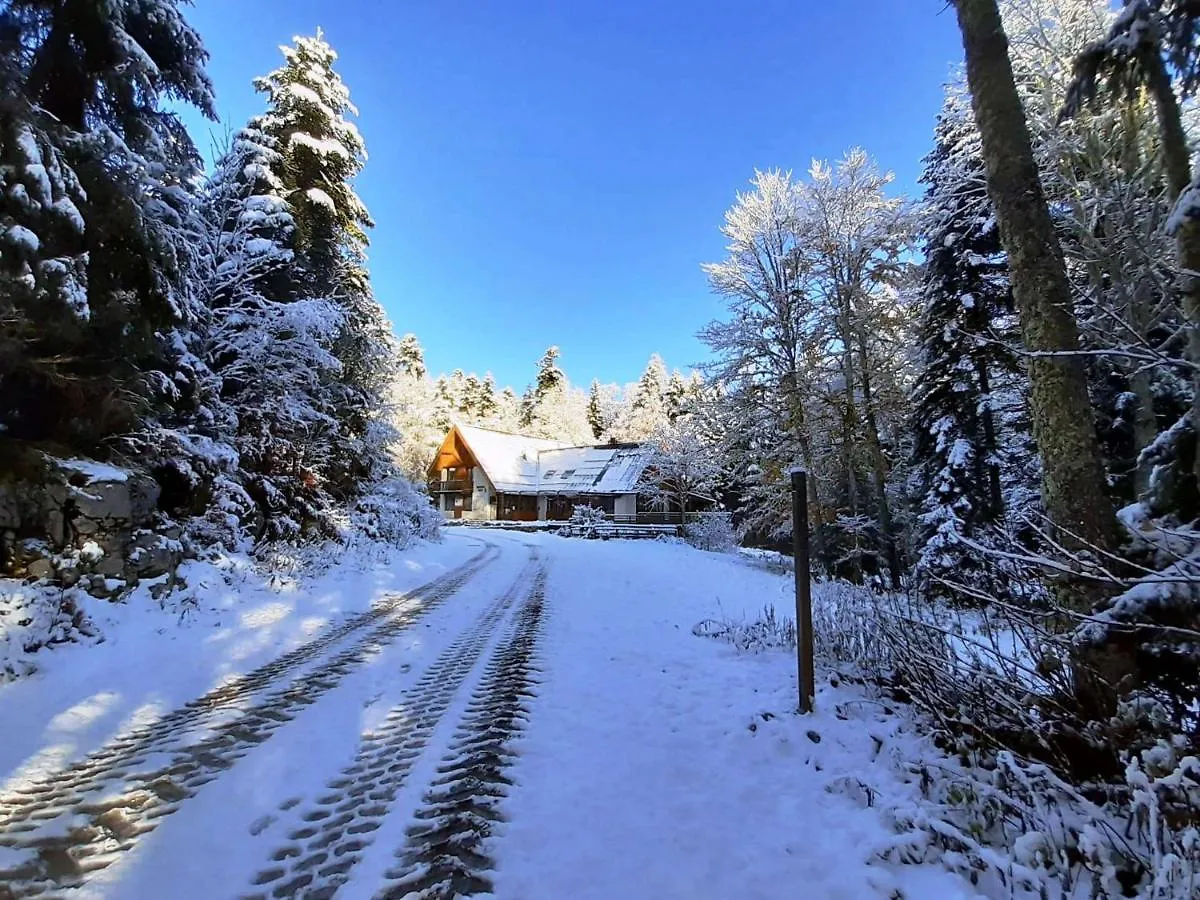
<point x="77" y="521"/>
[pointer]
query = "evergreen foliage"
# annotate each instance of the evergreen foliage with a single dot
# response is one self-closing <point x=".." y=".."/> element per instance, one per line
<point x="219" y="332"/>
<point x="965" y="362"/>
<point x="95" y="206"/>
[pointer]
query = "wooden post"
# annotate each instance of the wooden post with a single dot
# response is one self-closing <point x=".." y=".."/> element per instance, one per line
<point x="804" y="637"/>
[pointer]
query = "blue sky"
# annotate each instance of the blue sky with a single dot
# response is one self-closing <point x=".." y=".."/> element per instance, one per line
<point x="555" y="171"/>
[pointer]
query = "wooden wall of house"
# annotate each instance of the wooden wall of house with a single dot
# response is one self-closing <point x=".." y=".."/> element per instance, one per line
<point x="517" y="507"/>
<point x="453" y="454"/>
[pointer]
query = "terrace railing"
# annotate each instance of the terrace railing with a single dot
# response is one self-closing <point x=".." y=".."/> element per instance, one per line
<point x="658" y="518"/>
<point x="459" y="486"/>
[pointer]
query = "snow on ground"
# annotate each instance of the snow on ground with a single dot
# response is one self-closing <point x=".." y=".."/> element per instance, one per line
<point x="660" y="764"/>
<point x="154" y="658"/>
<point x="241" y="818"/>
<point x="653" y="764"/>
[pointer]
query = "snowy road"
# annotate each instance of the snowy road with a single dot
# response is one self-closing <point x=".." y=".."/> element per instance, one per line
<point x="536" y="720"/>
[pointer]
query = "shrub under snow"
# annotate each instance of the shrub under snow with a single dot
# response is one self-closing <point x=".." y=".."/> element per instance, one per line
<point x="35" y="616"/>
<point x="712" y="531"/>
<point x="584" y="519"/>
<point x="395" y="513"/>
<point x="1012" y="825"/>
<point x="769" y="632"/>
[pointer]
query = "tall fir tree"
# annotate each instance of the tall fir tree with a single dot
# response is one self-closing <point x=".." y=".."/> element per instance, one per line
<point x="675" y="396"/>
<point x="965" y="295"/>
<point x="549" y="376"/>
<point x="485" y="401"/>
<point x="595" y="412"/>
<point x="652" y="386"/>
<point x="648" y="405"/>
<point x="320" y="153"/>
<point x="410" y="356"/>
<point x="269" y="349"/>
<point x="549" y="379"/>
<point x="1073" y="483"/>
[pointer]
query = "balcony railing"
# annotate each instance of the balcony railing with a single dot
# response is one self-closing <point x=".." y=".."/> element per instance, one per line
<point x="461" y="486"/>
<point x="656" y="518"/>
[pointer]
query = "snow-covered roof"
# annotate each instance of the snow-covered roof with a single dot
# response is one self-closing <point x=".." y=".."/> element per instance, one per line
<point x="511" y="462"/>
<point x="593" y="470"/>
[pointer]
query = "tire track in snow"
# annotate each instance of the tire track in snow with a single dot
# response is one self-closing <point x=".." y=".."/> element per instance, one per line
<point x="335" y="831"/>
<point x="115" y="823"/>
<point x="444" y="856"/>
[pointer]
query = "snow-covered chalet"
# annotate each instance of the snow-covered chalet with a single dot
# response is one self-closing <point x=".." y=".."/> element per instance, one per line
<point x="483" y="475"/>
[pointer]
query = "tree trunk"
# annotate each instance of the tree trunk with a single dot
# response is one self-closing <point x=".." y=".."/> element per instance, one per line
<point x="1177" y="161"/>
<point x="879" y="465"/>
<point x="849" y="428"/>
<point x="1145" y="424"/>
<point x="1073" y="482"/>
<point x="1073" y="485"/>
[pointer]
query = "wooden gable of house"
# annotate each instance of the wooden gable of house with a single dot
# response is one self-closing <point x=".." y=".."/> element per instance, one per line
<point x="453" y="454"/>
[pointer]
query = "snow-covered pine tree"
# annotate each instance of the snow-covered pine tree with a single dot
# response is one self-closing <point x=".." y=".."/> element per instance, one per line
<point x="551" y="407"/>
<point x="43" y="265"/>
<point x="320" y="153"/>
<point x="419" y="410"/>
<point x="549" y="378"/>
<point x="462" y="394"/>
<point x="549" y="375"/>
<point x="675" y="397"/>
<point x="471" y="396"/>
<point x="508" y="410"/>
<point x="98" y="173"/>
<point x="445" y="403"/>
<point x="646" y="409"/>
<point x="269" y="348"/>
<point x="965" y="294"/>
<point x="597" y="419"/>
<point x="485" y="398"/>
<point x="411" y="356"/>
<point x="649" y="407"/>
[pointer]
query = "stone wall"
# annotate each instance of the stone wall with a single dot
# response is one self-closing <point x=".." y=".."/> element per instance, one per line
<point x="71" y="519"/>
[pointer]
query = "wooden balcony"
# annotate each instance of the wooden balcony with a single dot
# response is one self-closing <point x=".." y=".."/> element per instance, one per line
<point x="461" y="486"/>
